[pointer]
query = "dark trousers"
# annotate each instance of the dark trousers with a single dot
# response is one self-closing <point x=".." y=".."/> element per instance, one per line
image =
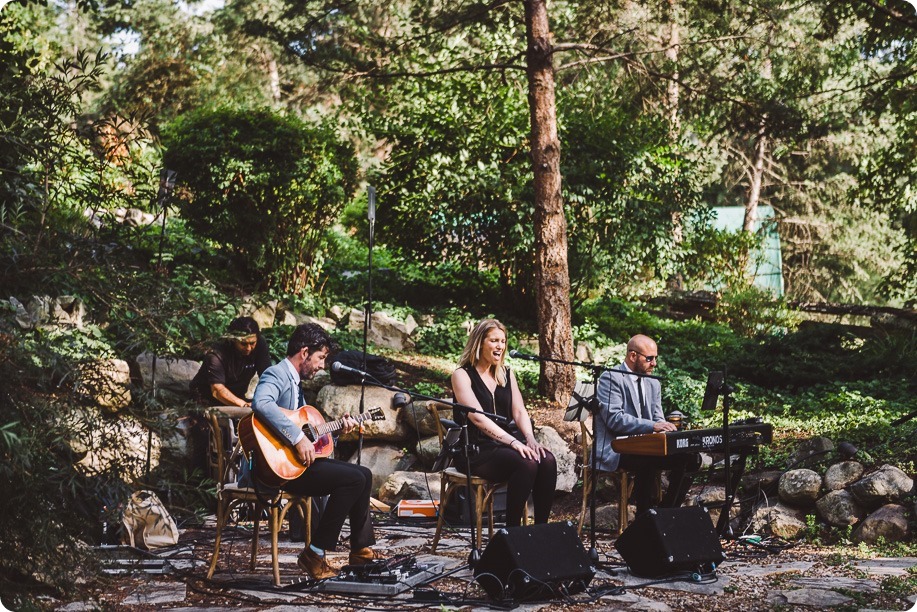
<point x="523" y="477"/>
<point x="644" y="469"/>
<point x="348" y="488"/>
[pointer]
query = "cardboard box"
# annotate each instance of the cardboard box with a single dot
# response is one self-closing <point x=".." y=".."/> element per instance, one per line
<point x="418" y="507"/>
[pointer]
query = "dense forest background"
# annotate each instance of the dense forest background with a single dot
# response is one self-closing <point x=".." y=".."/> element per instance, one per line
<point x="275" y="116"/>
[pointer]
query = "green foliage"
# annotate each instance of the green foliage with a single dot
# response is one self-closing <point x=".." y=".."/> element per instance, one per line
<point x="751" y="311"/>
<point x="446" y="337"/>
<point x="263" y="186"/>
<point x="625" y="185"/>
<point x="50" y="505"/>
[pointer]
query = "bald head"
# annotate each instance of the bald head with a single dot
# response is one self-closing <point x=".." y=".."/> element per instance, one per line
<point x="641" y="354"/>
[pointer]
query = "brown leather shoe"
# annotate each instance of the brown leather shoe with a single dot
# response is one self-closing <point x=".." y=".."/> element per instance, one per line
<point x="309" y="562"/>
<point x="363" y="556"/>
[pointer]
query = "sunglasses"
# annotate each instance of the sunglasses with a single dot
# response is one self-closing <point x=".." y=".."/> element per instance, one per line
<point x="648" y="358"/>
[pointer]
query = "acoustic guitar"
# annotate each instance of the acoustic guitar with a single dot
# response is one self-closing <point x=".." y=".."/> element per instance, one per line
<point x="275" y="461"/>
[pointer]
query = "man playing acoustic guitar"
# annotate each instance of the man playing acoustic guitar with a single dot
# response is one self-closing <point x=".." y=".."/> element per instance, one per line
<point x="347" y="485"/>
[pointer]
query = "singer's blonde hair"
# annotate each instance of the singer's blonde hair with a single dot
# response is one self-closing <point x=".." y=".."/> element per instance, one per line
<point x="472" y="353"/>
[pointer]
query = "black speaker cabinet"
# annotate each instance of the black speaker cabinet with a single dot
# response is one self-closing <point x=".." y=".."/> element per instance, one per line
<point x="665" y="541"/>
<point x="534" y="562"/>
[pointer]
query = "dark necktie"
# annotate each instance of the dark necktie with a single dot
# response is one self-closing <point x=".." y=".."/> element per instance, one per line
<point x="302" y="400"/>
<point x="643" y="414"/>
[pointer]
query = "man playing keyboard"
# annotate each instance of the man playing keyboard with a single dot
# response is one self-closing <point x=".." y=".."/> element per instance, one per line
<point x="629" y="405"/>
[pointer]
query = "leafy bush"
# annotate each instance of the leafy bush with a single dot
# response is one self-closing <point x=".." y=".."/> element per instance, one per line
<point x="49" y="505"/>
<point x="446" y="337"/>
<point x="751" y="311"/>
<point x="262" y="185"/>
<point x="404" y="281"/>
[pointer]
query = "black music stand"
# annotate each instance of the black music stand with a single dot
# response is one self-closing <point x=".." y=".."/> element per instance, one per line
<point x="717" y="385"/>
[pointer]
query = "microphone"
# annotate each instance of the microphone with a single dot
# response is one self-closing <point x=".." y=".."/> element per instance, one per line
<point x="517" y="355"/>
<point x="337" y="366"/>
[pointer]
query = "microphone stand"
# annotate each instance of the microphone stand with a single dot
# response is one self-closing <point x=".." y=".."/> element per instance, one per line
<point x="722" y="524"/>
<point x="367" y="310"/>
<point x="593" y="407"/>
<point x="475" y="554"/>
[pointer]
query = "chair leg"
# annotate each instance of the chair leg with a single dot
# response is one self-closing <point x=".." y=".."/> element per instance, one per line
<point x="624" y="488"/>
<point x="479" y="511"/>
<point x="488" y="503"/>
<point x="445" y="494"/>
<point x="275" y="519"/>
<point x="587" y="483"/>
<point x="307" y="520"/>
<point x="256" y="531"/>
<point x="222" y="516"/>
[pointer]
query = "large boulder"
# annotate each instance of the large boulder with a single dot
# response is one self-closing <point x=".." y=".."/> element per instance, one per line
<point x="428" y="449"/>
<point x="799" y="487"/>
<point x="839" y="508"/>
<point x="606" y="517"/>
<point x="112" y="444"/>
<point x="287" y="317"/>
<point x="765" y="481"/>
<point x="779" y="520"/>
<point x="886" y="485"/>
<point x="713" y="496"/>
<point x="43" y="311"/>
<point x="263" y="313"/>
<point x="382" y="460"/>
<point x="335" y="402"/>
<point x="173" y="376"/>
<point x="888" y="522"/>
<point x="107" y="383"/>
<point x="810" y="450"/>
<point x="385" y="330"/>
<point x="420" y="417"/>
<point x="409" y="485"/>
<point x="566" y="459"/>
<point x="841" y="475"/>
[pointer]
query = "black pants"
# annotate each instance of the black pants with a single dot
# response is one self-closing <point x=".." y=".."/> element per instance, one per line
<point x="348" y="487"/>
<point x="523" y="477"/>
<point x="644" y="469"/>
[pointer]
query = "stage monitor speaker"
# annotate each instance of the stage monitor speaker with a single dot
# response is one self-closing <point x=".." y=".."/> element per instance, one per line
<point x="534" y="563"/>
<point x="666" y="541"/>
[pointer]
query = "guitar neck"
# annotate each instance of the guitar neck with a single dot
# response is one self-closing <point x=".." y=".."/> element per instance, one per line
<point x="336" y="425"/>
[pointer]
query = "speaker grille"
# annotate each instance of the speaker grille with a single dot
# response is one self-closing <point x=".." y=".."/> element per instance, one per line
<point x="669" y="540"/>
<point x="535" y="562"/>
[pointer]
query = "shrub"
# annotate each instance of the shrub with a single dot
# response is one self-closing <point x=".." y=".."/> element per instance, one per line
<point x="751" y="311"/>
<point x="264" y="186"/>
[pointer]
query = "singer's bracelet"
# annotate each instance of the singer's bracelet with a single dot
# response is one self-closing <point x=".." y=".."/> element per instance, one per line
<point x="513" y="441"/>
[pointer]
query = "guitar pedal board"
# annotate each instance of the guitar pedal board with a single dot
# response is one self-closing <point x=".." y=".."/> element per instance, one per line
<point x="387" y="577"/>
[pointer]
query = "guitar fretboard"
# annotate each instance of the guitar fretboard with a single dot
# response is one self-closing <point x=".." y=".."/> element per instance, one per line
<point x="336" y="425"/>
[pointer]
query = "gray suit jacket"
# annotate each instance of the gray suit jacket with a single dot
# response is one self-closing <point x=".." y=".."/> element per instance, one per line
<point x="278" y="387"/>
<point x="619" y="412"/>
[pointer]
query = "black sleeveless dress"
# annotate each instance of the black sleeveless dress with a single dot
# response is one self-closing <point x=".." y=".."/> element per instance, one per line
<point x="499" y="402"/>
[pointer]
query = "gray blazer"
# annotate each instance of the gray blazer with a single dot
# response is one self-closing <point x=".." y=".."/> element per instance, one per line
<point x="278" y="387"/>
<point x="619" y="412"/>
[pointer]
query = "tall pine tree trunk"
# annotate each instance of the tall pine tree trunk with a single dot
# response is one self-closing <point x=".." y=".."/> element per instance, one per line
<point x="552" y="276"/>
<point x="757" y="177"/>
<point x="673" y="99"/>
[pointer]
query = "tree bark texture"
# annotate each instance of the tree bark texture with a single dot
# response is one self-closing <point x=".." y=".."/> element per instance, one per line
<point x="757" y="177"/>
<point x="552" y="276"/>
